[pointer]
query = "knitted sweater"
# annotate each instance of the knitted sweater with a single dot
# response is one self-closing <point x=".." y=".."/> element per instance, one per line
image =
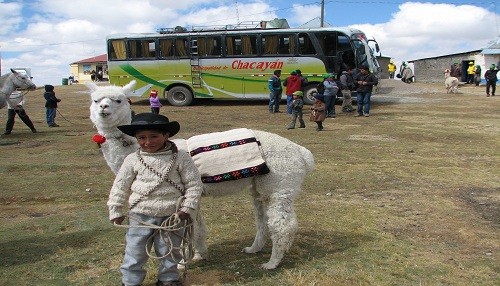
<point x="134" y="180"/>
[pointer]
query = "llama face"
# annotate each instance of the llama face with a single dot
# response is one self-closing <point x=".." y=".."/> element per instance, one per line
<point x="109" y="106"/>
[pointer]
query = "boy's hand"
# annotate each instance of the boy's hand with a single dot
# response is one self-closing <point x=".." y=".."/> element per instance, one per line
<point x="182" y="215"/>
<point x="118" y="220"/>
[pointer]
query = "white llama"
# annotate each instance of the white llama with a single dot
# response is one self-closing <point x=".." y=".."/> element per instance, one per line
<point x="273" y="193"/>
<point x="450" y="82"/>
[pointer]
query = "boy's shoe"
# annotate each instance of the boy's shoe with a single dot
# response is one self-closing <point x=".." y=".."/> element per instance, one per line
<point x="33" y="130"/>
<point x="290" y="128"/>
<point x="6" y="133"/>
<point x="302" y="127"/>
<point x="168" y="283"/>
<point x="53" y="125"/>
<point x="357" y="114"/>
<point x="366" y="114"/>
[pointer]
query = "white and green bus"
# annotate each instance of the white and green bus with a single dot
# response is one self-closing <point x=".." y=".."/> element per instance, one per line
<point x="236" y="64"/>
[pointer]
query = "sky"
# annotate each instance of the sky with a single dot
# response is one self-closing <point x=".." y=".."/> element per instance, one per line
<point x="48" y="35"/>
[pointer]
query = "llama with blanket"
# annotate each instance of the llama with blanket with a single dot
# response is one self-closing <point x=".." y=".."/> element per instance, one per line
<point x="450" y="82"/>
<point x="270" y="167"/>
<point x="13" y="81"/>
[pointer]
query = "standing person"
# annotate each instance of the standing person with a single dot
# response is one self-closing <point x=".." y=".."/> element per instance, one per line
<point x="365" y="82"/>
<point x="303" y="79"/>
<point x="293" y="83"/>
<point x="274" y="85"/>
<point x="330" y="95"/>
<point x="318" y="111"/>
<point x="147" y="188"/>
<point x="470" y="73"/>
<point x="296" y="105"/>
<point x="92" y="75"/>
<point x="50" y="105"/>
<point x="391" y="68"/>
<point x="347" y="86"/>
<point x="154" y="101"/>
<point x="15" y="104"/>
<point x="491" y="80"/>
<point x="477" y="75"/>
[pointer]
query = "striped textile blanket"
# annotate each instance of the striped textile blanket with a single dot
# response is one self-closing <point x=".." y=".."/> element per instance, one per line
<point x="225" y="156"/>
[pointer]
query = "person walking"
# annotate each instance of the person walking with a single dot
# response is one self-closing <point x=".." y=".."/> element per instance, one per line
<point x="296" y="105"/>
<point x="50" y="105"/>
<point x="303" y="79"/>
<point x="365" y="82"/>
<point x="470" y="73"/>
<point x="154" y="101"/>
<point x="477" y="75"/>
<point x="491" y="80"/>
<point x="330" y="95"/>
<point x="293" y="83"/>
<point x="274" y="85"/>
<point x="15" y="103"/>
<point x="391" y="68"/>
<point x="347" y="86"/>
<point x="156" y="184"/>
<point x="318" y="111"/>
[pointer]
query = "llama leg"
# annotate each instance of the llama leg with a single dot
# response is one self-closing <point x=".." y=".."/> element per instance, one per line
<point x="282" y="223"/>
<point x="262" y="233"/>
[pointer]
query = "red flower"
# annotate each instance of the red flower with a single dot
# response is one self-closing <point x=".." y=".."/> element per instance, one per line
<point x="99" y="139"/>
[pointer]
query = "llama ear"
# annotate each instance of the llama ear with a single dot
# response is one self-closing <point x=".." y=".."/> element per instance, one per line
<point x="91" y="85"/>
<point x="127" y="89"/>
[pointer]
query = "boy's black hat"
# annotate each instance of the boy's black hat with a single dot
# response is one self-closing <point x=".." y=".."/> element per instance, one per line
<point x="150" y="121"/>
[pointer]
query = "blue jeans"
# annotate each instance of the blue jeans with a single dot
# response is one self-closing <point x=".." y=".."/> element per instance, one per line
<point x="330" y="104"/>
<point x="50" y="115"/>
<point x="289" y="99"/>
<point x="136" y="257"/>
<point x="274" y="101"/>
<point x="363" y="99"/>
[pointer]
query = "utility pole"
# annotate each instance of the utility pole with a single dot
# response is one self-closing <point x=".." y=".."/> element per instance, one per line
<point x="322" y="13"/>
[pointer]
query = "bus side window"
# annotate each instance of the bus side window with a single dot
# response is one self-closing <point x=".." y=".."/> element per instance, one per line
<point x="305" y="45"/>
<point x="214" y="46"/>
<point x="249" y="45"/>
<point x="166" y="48"/>
<point x="269" y="44"/>
<point x="181" y="47"/>
<point x="117" y="50"/>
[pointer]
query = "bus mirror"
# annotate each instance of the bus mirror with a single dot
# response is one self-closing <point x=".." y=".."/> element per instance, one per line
<point x="377" y="48"/>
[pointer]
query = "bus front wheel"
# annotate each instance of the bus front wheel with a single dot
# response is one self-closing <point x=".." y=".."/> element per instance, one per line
<point x="180" y="96"/>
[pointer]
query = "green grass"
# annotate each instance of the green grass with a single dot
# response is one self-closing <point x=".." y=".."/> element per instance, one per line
<point x="408" y="196"/>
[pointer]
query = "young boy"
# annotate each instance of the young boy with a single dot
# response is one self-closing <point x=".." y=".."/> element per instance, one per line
<point x="318" y="111"/>
<point x="296" y="105"/>
<point x="150" y="182"/>
<point x="50" y="105"/>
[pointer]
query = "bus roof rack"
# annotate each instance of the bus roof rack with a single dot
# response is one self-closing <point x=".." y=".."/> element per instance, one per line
<point x="245" y="25"/>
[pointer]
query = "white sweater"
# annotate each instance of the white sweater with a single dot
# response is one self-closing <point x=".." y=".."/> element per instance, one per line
<point x="134" y="179"/>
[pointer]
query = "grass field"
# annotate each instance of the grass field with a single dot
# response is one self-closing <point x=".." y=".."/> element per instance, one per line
<point x="408" y="196"/>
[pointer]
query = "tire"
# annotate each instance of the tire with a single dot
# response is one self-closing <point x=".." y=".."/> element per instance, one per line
<point x="180" y="96"/>
<point x="308" y="94"/>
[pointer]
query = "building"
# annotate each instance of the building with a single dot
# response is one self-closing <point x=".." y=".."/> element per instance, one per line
<point x="432" y="69"/>
<point x="81" y="70"/>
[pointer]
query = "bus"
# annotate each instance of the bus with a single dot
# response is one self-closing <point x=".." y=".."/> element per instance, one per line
<point x="232" y="63"/>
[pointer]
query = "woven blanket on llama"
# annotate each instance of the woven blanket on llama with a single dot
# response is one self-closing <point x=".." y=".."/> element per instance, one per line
<point x="225" y="156"/>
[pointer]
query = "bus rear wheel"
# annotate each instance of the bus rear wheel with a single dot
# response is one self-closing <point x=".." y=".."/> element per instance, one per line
<point x="308" y="94"/>
<point x="180" y="96"/>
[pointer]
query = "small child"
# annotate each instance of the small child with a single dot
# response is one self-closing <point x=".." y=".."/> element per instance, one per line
<point x="297" y="104"/>
<point x="154" y="101"/>
<point x="50" y="105"/>
<point x="147" y="188"/>
<point x="318" y="113"/>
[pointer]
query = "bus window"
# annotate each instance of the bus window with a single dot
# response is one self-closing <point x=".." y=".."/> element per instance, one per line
<point x="166" y="48"/>
<point x="278" y="44"/>
<point x="305" y="45"/>
<point x="117" y="50"/>
<point x="249" y="45"/>
<point x="207" y="46"/>
<point x="233" y="46"/>
<point x="181" y="47"/>
<point x="142" y="49"/>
